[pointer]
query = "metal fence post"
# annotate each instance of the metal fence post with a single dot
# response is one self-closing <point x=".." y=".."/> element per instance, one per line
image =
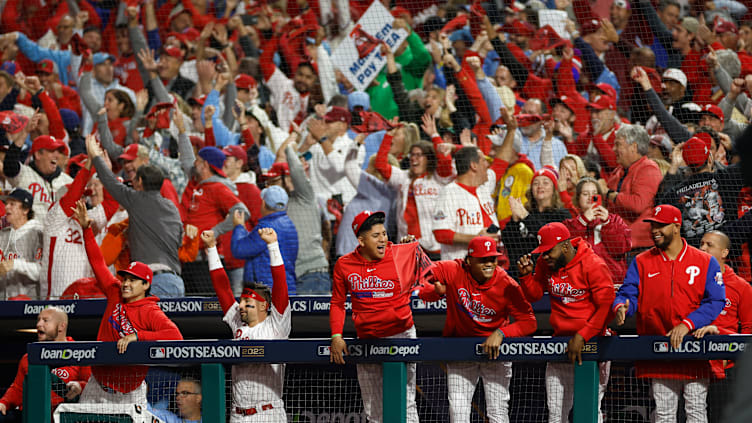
<point x="586" y="379"/>
<point x="213" y="392"/>
<point x="38" y="385"/>
<point x="395" y="392"/>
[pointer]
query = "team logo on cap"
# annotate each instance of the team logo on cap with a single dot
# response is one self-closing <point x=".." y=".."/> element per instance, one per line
<point x="540" y="239"/>
<point x="657" y="210"/>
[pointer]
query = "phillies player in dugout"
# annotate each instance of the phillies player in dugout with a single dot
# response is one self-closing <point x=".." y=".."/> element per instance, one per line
<point x="481" y="296"/>
<point x="673" y="288"/>
<point x="380" y="277"/>
<point x="131" y="315"/>
<point x="581" y="291"/>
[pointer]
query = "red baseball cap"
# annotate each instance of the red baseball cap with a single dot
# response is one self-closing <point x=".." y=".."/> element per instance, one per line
<point x="695" y="152"/>
<point x="245" y="82"/>
<point x="362" y="217"/>
<point x="524" y="119"/>
<point x="550" y="235"/>
<point x="173" y="52"/>
<point x="337" y="114"/>
<point x="278" y="169"/>
<point x="570" y="102"/>
<point x="548" y="173"/>
<point x="607" y="89"/>
<point x="197" y="101"/>
<point x="46" y="66"/>
<point x="138" y="270"/>
<point x="236" y="151"/>
<point x="665" y="214"/>
<point x="721" y="26"/>
<point x="46" y="142"/>
<point x="78" y="160"/>
<point x="590" y="26"/>
<point x="482" y="246"/>
<point x="13" y="123"/>
<point x="603" y="102"/>
<point x="712" y="110"/>
<point x="130" y="153"/>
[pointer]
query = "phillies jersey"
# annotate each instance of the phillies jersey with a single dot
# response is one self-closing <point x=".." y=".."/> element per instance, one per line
<point x="738" y="308"/>
<point x="207" y="203"/>
<point x="475" y="309"/>
<point x="581" y="292"/>
<point x="64" y="258"/>
<point x="461" y="211"/>
<point x="255" y="383"/>
<point x="378" y="290"/>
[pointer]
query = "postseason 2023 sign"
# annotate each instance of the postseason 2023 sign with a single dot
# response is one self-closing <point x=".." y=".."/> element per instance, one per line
<point x="359" y="55"/>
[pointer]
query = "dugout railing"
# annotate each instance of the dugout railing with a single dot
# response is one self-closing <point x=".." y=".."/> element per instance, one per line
<point x="212" y="355"/>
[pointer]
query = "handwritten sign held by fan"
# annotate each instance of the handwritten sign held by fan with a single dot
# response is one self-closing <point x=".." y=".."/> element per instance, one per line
<point x="358" y="56"/>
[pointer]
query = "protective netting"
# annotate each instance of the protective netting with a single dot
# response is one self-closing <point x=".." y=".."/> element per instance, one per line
<point x="569" y="77"/>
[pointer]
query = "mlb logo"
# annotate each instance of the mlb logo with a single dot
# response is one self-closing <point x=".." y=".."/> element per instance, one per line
<point x="323" y="350"/>
<point x="660" y="347"/>
<point x="157" y="352"/>
<point x="418" y="304"/>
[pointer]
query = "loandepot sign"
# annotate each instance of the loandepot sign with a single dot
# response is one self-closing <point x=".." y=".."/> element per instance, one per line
<point x="68" y="354"/>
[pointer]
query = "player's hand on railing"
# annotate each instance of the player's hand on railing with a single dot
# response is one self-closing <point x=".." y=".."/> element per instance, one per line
<point x="122" y="343"/>
<point x="209" y="239"/>
<point x="525" y="265"/>
<point x="621" y="313"/>
<point x="268" y="235"/>
<point x="677" y="334"/>
<point x="81" y="215"/>
<point x="574" y="348"/>
<point x="492" y="343"/>
<point x="74" y="390"/>
<point x="337" y="349"/>
<point x="707" y="330"/>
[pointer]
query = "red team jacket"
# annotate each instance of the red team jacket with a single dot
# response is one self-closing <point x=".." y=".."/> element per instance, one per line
<point x="581" y="292"/>
<point x="738" y="308"/>
<point x="380" y="302"/>
<point x="143" y="317"/>
<point x="666" y="292"/>
<point x="13" y="397"/>
<point x="475" y="309"/>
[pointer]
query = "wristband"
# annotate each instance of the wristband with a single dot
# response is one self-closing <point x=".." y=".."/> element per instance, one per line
<point x="502" y="333"/>
<point x="336" y="335"/>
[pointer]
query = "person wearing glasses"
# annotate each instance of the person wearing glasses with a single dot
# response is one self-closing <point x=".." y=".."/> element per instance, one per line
<point x="188" y="401"/>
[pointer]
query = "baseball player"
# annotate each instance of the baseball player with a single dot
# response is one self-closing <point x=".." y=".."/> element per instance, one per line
<point x="20" y="246"/>
<point x="674" y="288"/>
<point x="261" y="314"/>
<point x="581" y="290"/>
<point x="52" y="325"/>
<point x="379" y="277"/>
<point x="63" y="254"/>
<point x="131" y="315"/>
<point x="480" y="299"/>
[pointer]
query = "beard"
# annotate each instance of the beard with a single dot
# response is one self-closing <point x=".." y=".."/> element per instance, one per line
<point x="667" y="238"/>
<point x="560" y="262"/>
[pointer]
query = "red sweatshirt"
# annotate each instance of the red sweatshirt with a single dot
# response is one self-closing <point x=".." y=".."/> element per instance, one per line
<point x="475" y="309"/>
<point x="738" y="308"/>
<point x="581" y="292"/>
<point x="13" y="397"/>
<point x="142" y="317"/>
<point x="379" y="291"/>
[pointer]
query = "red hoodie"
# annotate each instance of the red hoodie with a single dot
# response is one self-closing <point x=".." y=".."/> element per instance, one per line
<point x="142" y="317"/>
<point x="581" y="292"/>
<point x="379" y="291"/>
<point x="610" y="240"/>
<point x="13" y="397"/>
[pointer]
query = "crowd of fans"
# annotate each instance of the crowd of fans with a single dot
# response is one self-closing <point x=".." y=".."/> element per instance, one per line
<point x="485" y="121"/>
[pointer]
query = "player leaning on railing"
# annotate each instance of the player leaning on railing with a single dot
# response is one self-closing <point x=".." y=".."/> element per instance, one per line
<point x="581" y="290"/>
<point x="131" y="315"/>
<point x="256" y="388"/>
<point x="481" y="297"/>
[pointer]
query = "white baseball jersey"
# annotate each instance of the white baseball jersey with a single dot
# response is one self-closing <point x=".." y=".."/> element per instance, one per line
<point x="254" y="384"/>
<point x="64" y="258"/>
<point x="24" y="247"/>
<point x="44" y="192"/>
<point x="460" y="211"/>
<point x="287" y="101"/>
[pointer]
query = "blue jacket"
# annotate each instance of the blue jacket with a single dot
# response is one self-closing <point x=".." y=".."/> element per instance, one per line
<point x="250" y="247"/>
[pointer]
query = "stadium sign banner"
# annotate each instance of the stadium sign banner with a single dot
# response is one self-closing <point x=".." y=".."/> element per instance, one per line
<point x="359" y="55"/>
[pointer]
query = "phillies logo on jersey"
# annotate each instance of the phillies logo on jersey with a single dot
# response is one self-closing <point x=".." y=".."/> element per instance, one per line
<point x="61" y="373"/>
<point x="369" y="283"/>
<point x="119" y="321"/>
<point x="40" y="193"/>
<point x="565" y="291"/>
<point x="466" y="218"/>
<point x="693" y="272"/>
<point x="419" y="190"/>
<point x="198" y="192"/>
<point x="475" y="308"/>
<point x="9" y="256"/>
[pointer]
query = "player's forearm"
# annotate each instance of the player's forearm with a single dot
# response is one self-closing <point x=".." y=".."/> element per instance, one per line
<point x="75" y="192"/>
<point x="280" y="297"/>
<point x="597" y="322"/>
<point x="337" y="304"/>
<point x="102" y="275"/>
<point x="219" y="279"/>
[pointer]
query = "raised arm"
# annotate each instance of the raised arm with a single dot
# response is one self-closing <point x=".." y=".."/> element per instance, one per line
<point x="106" y="282"/>
<point x="280" y="299"/>
<point x="219" y="278"/>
